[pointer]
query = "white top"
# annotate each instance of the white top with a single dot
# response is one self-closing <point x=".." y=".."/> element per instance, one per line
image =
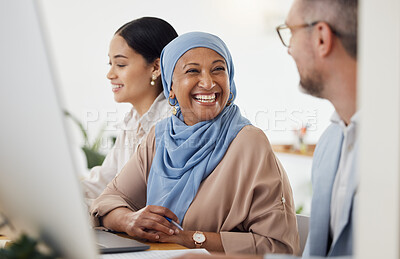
<point x="132" y="130"/>
<point x="343" y="174"/>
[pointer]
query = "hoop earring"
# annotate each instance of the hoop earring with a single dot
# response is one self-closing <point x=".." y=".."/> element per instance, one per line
<point x="174" y="111"/>
<point x="230" y="99"/>
<point x="153" y="80"/>
<point x="169" y="101"/>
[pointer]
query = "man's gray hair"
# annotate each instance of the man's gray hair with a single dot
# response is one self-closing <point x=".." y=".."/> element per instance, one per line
<point x="341" y="15"/>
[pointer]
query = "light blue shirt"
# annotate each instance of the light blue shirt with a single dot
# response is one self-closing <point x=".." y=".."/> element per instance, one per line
<point x="327" y="158"/>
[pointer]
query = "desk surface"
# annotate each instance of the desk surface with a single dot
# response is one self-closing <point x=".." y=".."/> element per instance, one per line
<point x="157" y="246"/>
<point x="153" y="246"/>
<point x="164" y="246"/>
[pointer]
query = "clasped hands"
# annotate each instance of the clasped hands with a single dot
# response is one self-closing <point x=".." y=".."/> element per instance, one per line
<point x="150" y="223"/>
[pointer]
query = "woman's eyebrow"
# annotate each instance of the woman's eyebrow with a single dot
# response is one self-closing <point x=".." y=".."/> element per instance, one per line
<point x="191" y="64"/>
<point x="197" y="64"/>
<point x="218" y="60"/>
<point x="120" y="56"/>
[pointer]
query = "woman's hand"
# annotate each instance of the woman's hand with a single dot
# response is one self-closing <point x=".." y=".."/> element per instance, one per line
<point x="148" y="223"/>
<point x="148" y="220"/>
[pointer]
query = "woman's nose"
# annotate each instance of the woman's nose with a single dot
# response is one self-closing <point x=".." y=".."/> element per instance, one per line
<point x="206" y="81"/>
<point x="111" y="74"/>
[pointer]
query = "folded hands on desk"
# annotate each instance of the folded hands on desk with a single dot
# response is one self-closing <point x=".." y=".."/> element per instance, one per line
<point x="150" y="223"/>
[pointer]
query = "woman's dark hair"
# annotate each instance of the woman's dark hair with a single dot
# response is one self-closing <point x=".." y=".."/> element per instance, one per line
<point x="147" y="36"/>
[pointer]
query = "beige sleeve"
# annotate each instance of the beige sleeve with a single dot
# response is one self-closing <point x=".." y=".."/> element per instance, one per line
<point x="266" y="202"/>
<point x="127" y="189"/>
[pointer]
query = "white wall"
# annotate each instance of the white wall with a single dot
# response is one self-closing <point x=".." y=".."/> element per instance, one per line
<point x="298" y="169"/>
<point x="266" y="76"/>
<point x="378" y="221"/>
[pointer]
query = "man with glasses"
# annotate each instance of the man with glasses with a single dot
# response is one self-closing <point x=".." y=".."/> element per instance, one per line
<point x="321" y="36"/>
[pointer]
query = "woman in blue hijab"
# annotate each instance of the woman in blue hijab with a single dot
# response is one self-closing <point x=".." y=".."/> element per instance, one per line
<point x="206" y="167"/>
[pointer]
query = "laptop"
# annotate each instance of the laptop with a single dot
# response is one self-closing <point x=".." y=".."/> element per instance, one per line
<point x="40" y="193"/>
<point x="109" y="243"/>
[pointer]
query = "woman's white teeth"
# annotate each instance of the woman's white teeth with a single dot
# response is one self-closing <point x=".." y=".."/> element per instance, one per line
<point x="206" y="98"/>
<point x="116" y="86"/>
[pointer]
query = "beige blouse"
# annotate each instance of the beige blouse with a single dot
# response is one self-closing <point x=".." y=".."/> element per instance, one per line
<point x="247" y="198"/>
<point x="132" y="130"/>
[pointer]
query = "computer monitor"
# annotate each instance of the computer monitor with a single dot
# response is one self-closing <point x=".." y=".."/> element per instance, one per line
<point x="39" y="189"/>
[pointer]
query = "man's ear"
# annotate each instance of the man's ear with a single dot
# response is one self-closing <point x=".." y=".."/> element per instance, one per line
<point x="156" y="67"/>
<point x="324" y="37"/>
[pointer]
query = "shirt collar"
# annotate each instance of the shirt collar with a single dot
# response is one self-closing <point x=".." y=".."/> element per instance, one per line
<point x="156" y="112"/>
<point x="335" y="118"/>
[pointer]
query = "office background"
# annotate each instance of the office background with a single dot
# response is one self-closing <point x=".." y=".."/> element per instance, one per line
<point x="79" y="33"/>
<point x="378" y="212"/>
<point x="266" y="76"/>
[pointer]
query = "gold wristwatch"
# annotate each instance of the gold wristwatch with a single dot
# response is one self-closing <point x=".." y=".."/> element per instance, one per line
<point x="199" y="238"/>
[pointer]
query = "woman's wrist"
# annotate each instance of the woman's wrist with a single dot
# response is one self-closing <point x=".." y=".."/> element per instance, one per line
<point x="127" y="221"/>
<point x="187" y="239"/>
<point x="118" y="219"/>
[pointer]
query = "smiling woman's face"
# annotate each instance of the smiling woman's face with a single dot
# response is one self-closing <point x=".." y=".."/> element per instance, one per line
<point x="200" y="83"/>
<point x="129" y="73"/>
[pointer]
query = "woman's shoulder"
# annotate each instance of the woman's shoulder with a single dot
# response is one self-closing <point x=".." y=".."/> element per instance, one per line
<point x="252" y="135"/>
<point x="250" y="140"/>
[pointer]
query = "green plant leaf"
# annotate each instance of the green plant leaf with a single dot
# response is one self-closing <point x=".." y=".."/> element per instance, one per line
<point x="23" y="248"/>
<point x="299" y="210"/>
<point x="93" y="158"/>
<point x="113" y="139"/>
<point x="83" y="131"/>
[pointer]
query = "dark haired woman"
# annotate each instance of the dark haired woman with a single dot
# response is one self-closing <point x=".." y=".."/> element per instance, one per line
<point x="134" y="56"/>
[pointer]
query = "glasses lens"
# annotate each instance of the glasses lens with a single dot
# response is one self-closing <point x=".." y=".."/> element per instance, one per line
<point x="286" y="34"/>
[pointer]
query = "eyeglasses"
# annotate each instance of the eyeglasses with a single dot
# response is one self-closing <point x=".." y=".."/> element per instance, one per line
<point x="285" y="31"/>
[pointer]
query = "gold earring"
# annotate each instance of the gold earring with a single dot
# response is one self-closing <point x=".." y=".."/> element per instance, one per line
<point x="174" y="111"/>
<point x="153" y="80"/>
<point x="230" y="99"/>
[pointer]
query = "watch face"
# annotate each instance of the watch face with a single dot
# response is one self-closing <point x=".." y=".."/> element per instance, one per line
<point x="199" y="237"/>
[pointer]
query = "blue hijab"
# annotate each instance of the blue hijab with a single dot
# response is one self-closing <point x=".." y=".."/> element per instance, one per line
<point x="186" y="155"/>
